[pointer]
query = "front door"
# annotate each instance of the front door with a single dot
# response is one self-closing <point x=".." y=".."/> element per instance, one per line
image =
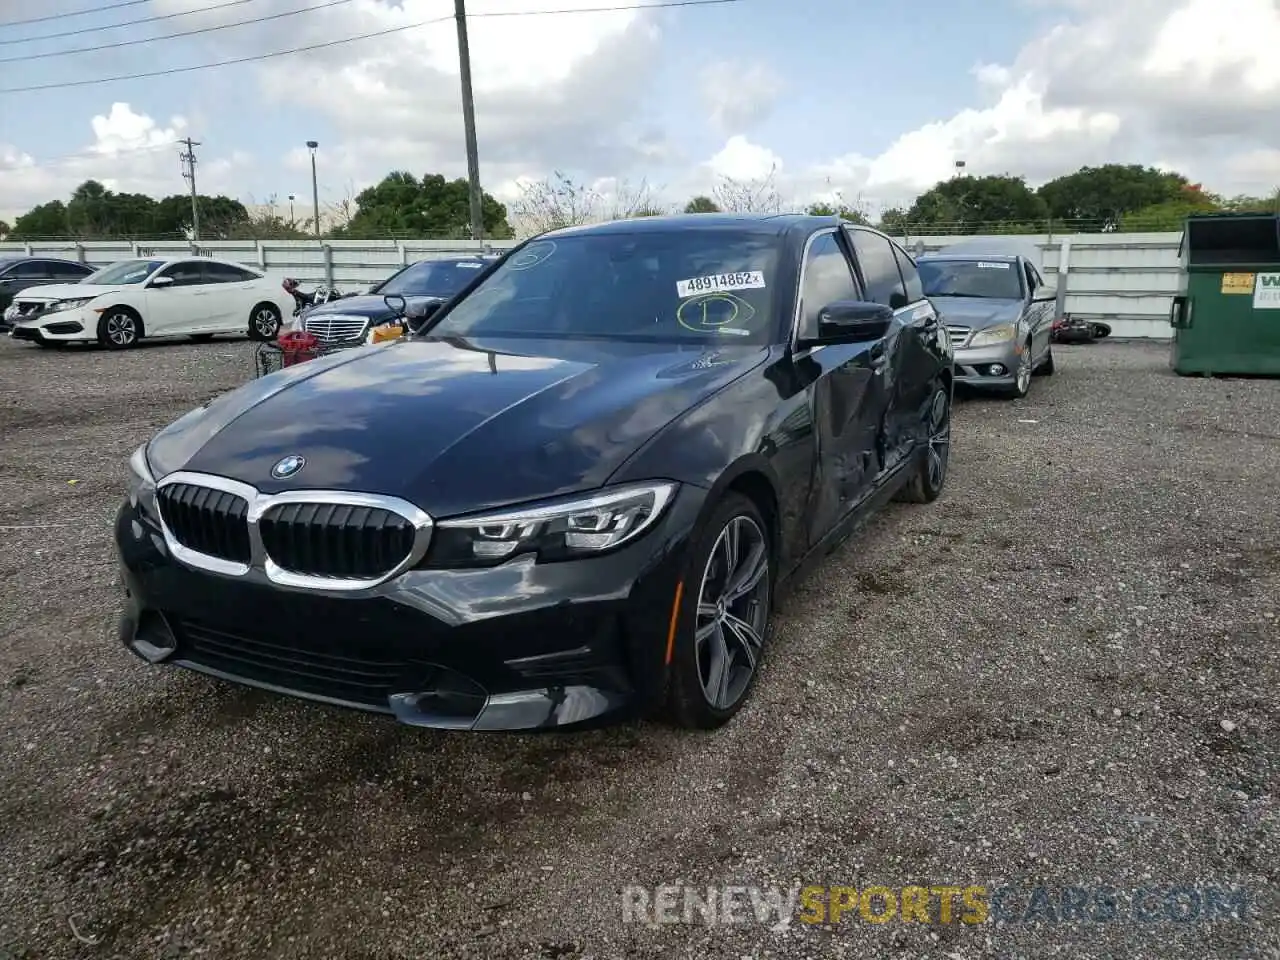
<point x="1040" y="314"/>
<point x="846" y="387"/>
<point x="180" y="307"/>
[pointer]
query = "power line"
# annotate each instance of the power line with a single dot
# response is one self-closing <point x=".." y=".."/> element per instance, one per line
<point x="124" y="23"/>
<point x="77" y="13"/>
<point x="345" y="40"/>
<point x="174" y="36"/>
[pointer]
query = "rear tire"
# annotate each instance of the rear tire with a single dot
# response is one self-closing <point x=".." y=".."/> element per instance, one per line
<point x="264" y="322"/>
<point x="930" y="476"/>
<point x="723" y="617"/>
<point x="119" y="329"/>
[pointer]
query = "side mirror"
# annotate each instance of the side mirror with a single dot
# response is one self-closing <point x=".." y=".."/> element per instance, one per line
<point x="162" y="282"/>
<point x="1044" y="295"/>
<point x="396" y="304"/>
<point x="852" y="321"/>
<point x="417" y="314"/>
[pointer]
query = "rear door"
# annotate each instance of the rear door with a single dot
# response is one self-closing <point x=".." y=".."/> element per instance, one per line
<point x="882" y="280"/>
<point x="232" y="294"/>
<point x="845" y="383"/>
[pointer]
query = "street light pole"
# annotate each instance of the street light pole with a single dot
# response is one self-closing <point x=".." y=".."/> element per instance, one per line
<point x="291" y="219"/>
<point x="315" y="189"/>
<point x="469" y="119"/>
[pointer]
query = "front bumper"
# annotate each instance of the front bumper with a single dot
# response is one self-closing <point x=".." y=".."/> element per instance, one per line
<point x="518" y="647"/>
<point x="972" y="366"/>
<point x="63" y="326"/>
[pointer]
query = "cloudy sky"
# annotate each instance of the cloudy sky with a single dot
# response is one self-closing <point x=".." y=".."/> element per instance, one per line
<point x="875" y="99"/>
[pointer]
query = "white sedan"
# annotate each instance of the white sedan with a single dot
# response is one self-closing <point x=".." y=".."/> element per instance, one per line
<point x="181" y="297"/>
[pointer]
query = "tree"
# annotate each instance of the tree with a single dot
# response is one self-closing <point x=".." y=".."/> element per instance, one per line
<point x="894" y="221"/>
<point x="221" y="218"/>
<point x="759" y="195"/>
<point x="48" y="221"/>
<point x="1171" y="214"/>
<point x="854" y="214"/>
<point x="4" y="229"/>
<point x="977" y="205"/>
<point x="701" y="204"/>
<point x="1097" y="197"/>
<point x="431" y="208"/>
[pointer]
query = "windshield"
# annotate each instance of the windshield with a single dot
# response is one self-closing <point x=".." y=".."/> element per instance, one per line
<point x="431" y="278"/>
<point x="126" y="271"/>
<point x="989" y="279"/>
<point x="692" y="285"/>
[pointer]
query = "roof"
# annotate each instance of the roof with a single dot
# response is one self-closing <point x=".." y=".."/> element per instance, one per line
<point x="988" y="248"/>
<point x="776" y="224"/>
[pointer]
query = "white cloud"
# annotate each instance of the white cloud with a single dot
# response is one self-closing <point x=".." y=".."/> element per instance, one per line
<point x="740" y="159"/>
<point x="1193" y="86"/>
<point x="130" y="152"/>
<point x="739" y="95"/>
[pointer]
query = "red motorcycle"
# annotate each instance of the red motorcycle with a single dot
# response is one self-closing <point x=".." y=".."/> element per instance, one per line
<point x="1071" y="330"/>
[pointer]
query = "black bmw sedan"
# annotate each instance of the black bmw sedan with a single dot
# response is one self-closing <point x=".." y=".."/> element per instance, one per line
<point x="575" y="491"/>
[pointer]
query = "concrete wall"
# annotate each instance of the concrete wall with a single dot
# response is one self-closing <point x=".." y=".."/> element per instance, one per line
<point x="1126" y="279"/>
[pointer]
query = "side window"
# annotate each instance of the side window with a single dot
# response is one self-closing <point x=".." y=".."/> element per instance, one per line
<point x="879" y="269"/>
<point x="1033" y="278"/>
<point x="226" y="273"/>
<point x="65" y="270"/>
<point x="186" y="274"/>
<point x="910" y="275"/>
<point x="30" y="270"/>
<point x="827" y="278"/>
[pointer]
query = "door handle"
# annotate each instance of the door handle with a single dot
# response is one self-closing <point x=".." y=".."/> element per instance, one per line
<point x="879" y="360"/>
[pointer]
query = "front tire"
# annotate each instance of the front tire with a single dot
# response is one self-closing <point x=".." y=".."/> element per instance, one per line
<point x="723" y="617"/>
<point x="1047" y="368"/>
<point x="931" y="476"/>
<point x="1022" y="376"/>
<point x="264" y="322"/>
<point x="119" y="329"/>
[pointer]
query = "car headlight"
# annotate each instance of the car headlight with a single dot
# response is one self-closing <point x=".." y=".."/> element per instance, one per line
<point x="69" y="304"/>
<point x="142" y="484"/>
<point x="1000" y="333"/>
<point x="557" y="530"/>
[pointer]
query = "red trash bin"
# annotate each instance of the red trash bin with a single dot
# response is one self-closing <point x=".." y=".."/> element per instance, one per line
<point x="297" y="346"/>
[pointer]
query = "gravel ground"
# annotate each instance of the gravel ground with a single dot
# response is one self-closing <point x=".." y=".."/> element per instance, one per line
<point x="1062" y="674"/>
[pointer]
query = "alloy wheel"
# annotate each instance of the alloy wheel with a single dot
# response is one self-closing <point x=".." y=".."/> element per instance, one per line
<point x="121" y="329"/>
<point x="939" y="438"/>
<point x="733" y="611"/>
<point x="1024" y="371"/>
<point x="265" y="322"/>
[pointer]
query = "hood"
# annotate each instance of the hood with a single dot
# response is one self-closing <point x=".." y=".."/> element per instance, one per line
<point x="65" y="291"/>
<point x="977" y="312"/>
<point x="452" y="426"/>
<point x="372" y="306"/>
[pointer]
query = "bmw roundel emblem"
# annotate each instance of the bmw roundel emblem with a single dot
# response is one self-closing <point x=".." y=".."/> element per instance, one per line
<point x="287" y="467"/>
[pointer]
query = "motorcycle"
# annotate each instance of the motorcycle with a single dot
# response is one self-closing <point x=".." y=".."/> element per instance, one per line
<point x="1071" y="330"/>
<point x="303" y="301"/>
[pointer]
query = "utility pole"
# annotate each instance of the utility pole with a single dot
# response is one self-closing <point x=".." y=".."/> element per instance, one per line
<point x="189" y="171"/>
<point x="469" y="120"/>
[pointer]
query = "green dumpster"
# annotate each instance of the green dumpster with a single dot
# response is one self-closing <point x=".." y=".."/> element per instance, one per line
<point x="1226" y="317"/>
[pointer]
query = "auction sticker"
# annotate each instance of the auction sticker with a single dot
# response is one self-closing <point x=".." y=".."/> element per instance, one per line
<point x="1237" y="283"/>
<point x="720" y="283"/>
<point x="989" y="265"/>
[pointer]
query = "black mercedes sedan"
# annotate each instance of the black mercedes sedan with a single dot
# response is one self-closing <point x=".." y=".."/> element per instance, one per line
<point x="573" y="492"/>
<point x="348" y="321"/>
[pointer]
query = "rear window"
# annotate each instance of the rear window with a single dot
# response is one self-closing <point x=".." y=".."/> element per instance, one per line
<point x="985" y="279"/>
<point x="694" y="285"/>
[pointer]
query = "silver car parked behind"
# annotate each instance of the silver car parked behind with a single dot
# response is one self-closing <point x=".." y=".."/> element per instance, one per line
<point x="998" y="310"/>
